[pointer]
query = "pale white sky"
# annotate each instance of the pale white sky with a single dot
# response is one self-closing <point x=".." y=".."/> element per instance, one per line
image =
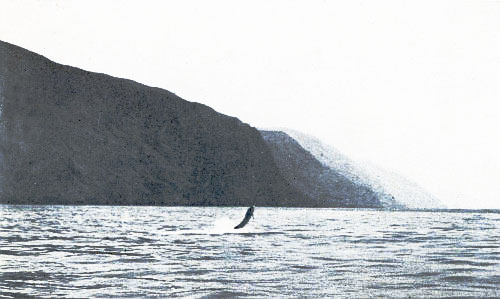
<point x="412" y="86"/>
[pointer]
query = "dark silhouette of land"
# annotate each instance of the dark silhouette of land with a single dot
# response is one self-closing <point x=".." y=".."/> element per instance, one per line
<point x="69" y="136"/>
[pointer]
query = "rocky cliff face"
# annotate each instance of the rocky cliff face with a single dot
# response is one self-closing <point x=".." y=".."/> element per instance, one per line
<point x="68" y="136"/>
<point x="328" y="176"/>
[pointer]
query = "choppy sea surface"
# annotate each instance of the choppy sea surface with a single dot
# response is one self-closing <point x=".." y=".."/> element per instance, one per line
<point x="90" y="251"/>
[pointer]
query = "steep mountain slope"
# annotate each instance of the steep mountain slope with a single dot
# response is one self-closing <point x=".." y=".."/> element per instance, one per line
<point x="368" y="185"/>
<point x="326" y="186"/>
<point x="75" y="137"/>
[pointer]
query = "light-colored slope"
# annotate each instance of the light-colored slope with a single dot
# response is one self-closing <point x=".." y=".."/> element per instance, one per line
<point x="387" y="185"/>
<point x="404" y="191"/>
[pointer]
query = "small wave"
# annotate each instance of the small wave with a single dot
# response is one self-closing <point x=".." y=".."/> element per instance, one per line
<point x="304" y="267"/>
<point x="368" y="240"/>
<point x="481" y="246"/>
<point x="457" y="278"/>
<point x="227" y="294"/>
<point x="450" y="261"/>
<point x="206" y="258"/>
<point x="17" y="252"/>
<point x="183" y="241"/>
<point x="136" y="260"/>
<point x="418" y="274"/>
<point x="192" y="272"/>
<point x="383" y="265"/>
<point x="333" y="259"/>
<point x="423" y="239"/>
<point x="453" y="227"/>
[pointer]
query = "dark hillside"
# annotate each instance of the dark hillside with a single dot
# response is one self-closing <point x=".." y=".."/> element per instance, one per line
<point x="68" y="136"/>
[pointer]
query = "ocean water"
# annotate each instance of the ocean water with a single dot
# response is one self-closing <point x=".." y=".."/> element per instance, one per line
<point x="89" y="251"/>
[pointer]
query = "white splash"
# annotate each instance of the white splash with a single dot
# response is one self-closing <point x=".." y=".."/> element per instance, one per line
<point x="219" y="226"/>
